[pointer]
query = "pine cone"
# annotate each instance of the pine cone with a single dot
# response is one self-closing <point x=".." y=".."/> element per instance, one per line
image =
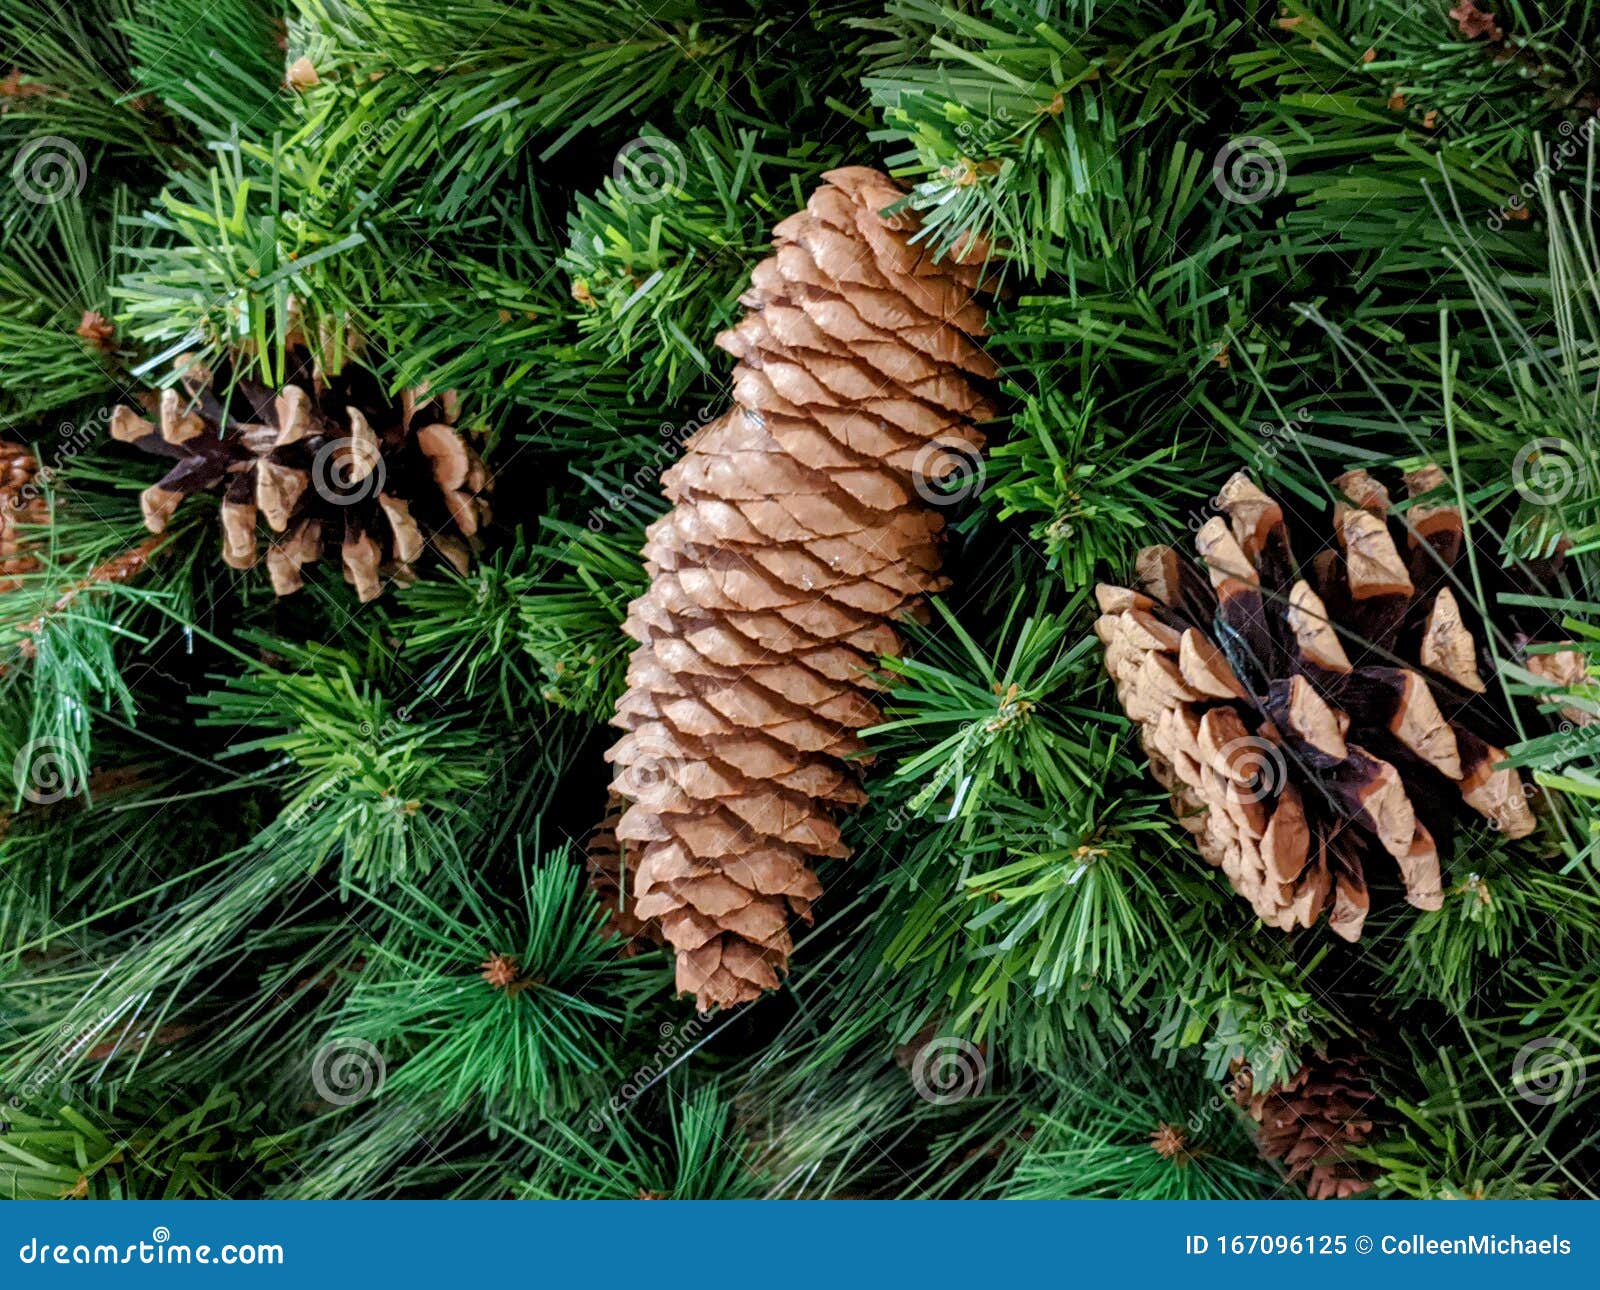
<point x="609" y="868"/>
<point x="795" y="539"/>
<point x="21" y="503"/>
<point x="1281" y="705"/>
<point x="1308" y="1121"/>
<point x="320" y="463"/>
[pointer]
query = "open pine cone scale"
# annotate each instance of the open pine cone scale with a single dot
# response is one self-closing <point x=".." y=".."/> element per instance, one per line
<point x="318" y="466"/>
<point x="1309" y="718"/>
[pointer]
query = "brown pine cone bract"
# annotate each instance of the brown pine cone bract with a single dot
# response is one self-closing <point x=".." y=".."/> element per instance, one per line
<point x="795" y="539"/>
<point x="1310" y="721"/>
<point x="326" y="465"/>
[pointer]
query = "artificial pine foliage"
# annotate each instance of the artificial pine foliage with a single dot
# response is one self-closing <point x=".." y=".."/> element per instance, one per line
<point x="297" y="893"/>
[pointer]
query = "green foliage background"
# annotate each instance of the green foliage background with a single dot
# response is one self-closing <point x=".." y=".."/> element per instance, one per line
<point x="287" y="833"/>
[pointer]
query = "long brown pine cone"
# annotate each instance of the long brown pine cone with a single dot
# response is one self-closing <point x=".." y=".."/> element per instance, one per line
<point x="1309" y="720"/>
<point x="795" y="540"/>
<point x="326" y="465"/>
<point x="1310" y="1120"/>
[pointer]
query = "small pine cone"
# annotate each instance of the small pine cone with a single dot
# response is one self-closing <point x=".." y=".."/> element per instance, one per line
<point x="1308" y="1121"/>
<point x="21" y="503"/>
<point x="1272" y="739"/>
<point x="322" y="465"/>
<point x="795" y="540"/>
<point x="610" y="867"/>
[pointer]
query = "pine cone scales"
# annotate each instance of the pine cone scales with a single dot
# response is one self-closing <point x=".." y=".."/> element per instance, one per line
<point x="609" y="868"/>
<point x="321" y="467"/>
<point x="796" y="537"/>
<point x="1310" y="1120"/>
<point x="1292" y="763"/>
<point x="21" y="503"/>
